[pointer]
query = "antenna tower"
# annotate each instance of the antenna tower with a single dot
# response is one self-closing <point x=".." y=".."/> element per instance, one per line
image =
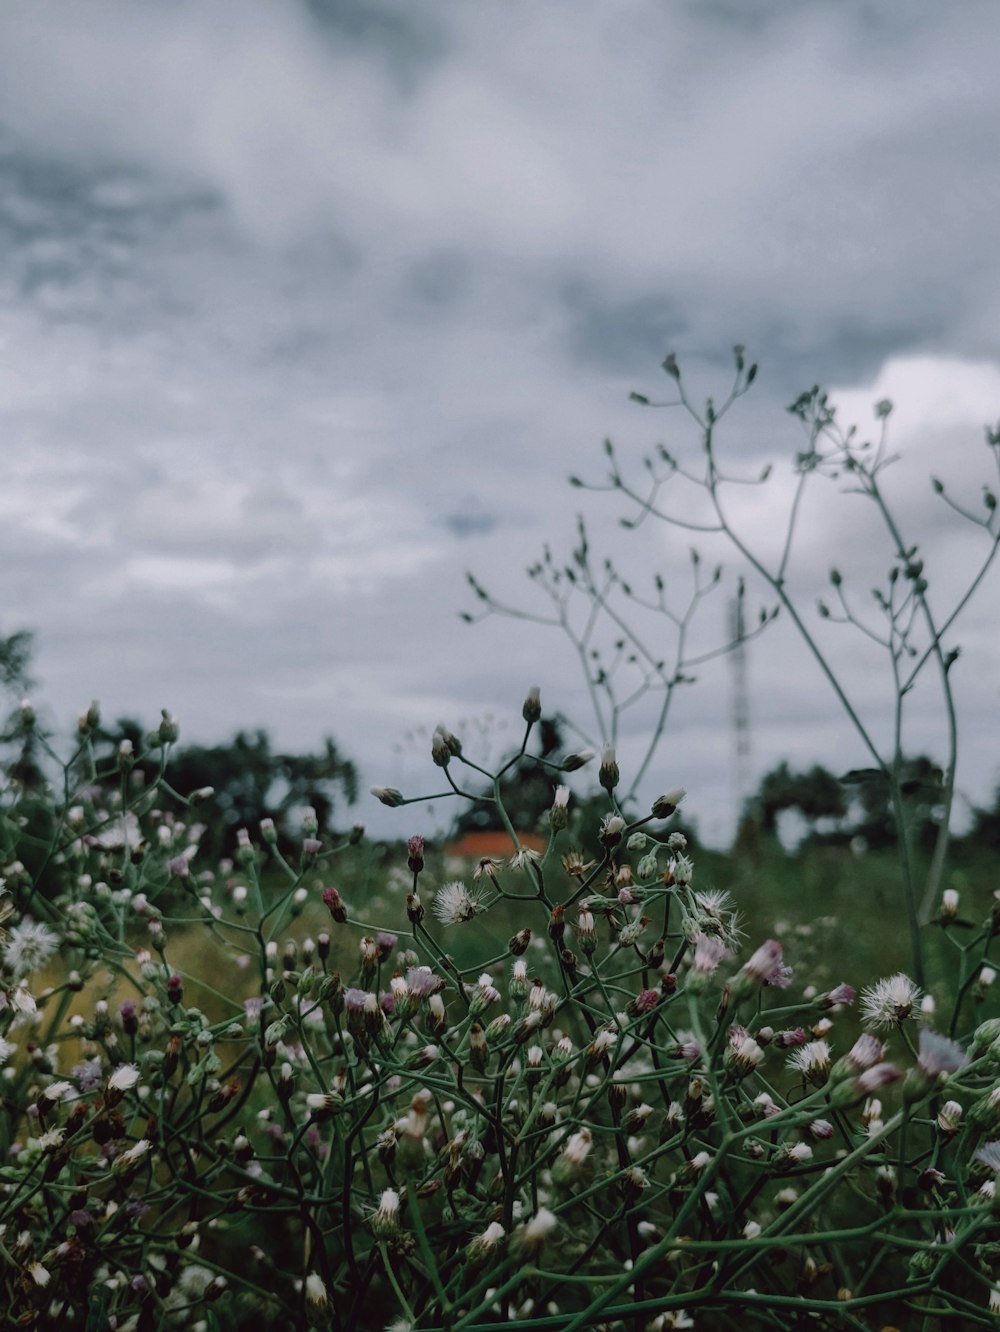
<point x="740" y="701"/>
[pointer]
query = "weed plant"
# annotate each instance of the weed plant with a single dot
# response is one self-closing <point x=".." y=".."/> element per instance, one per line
<point x="635" y="1113"/>
<point x="567" y="1090"/>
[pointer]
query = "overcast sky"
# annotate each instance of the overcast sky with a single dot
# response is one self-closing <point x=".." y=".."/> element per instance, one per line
<point x="306" y="309"/>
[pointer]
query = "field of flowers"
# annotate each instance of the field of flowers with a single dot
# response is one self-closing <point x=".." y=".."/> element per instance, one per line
<point x="330" y="1084"/>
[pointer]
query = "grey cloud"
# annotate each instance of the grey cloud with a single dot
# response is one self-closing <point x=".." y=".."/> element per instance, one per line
<point x="300" y="301"/>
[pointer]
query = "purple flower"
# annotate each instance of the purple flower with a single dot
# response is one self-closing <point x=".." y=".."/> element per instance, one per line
<point x="840" y="994"/>
<point x="422" y="982"/>
<point x="88" y="1076"/>
<point x="939" y="1054"/>
<point x="355" y="999"/>
<point x="879" y="1075"/>
<point x="764" y="963"/>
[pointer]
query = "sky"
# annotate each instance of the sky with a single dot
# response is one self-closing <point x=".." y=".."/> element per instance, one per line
<point x="306" y="310"/>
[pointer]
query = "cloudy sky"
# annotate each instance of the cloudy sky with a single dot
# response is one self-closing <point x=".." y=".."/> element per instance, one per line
<point x="307" y="309"/>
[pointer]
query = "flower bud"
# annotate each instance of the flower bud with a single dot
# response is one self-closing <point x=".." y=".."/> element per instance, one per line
<point x="532" y="709"/>
<point x="609" y="776"/>
<point x="415" y="854"/>
<point x="559" y="813"/>
<point x="519" y="942"/>
<point x="388" y="796"/>
<point x="665" y="805"/>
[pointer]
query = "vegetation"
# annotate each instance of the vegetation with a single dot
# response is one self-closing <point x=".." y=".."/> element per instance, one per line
<point x="257" y="1072"/>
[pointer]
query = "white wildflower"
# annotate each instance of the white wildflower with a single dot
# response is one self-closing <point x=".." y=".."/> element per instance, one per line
<point x="29" y="946"/>
<point x="890" y="1001"/>
<point x="454" y="903"/>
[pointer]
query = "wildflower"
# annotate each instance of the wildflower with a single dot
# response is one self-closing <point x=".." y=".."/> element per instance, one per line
<point x="688" y="1047"/>
<point x="558" y="815"/>
<point x="871" y="1080"/>
<point x="422" y="982"/>
<point x="335" y="905"/>
<point x="317" y="1300"/>
<point x="121" y="1080"/>
<point x="743" y="1054"/>
<point x="496" y="1029"/>
<point x="612" y="827"/>
<point x="575" y="865"/>
<point x="764" y="963"/>
<point x="644" y="1002"/>
<point x="984" y="1036"/>
<point x="484" y="993"/>
<point x="682" y="870"/>
<point x="939" y="1054"/>
<point x="523" y="857"/>
<point x="454" y="904"/>
<point x="57" y="1091"/>
<point x="484" y="1245"/>
<point x="388" y="795"/>
<point x="948" y="910"/>
<point x="22" y="1000"/>
<point x="574" y="1156"/>
<point x="39" y="1274"/>
<point x="631" y="930"/>
<point x="532" y="707"/>
<point x="820" y="1130"/>
<point x="708" y="953"/>
<point x="949" y="1118"/>
<point x="840" y="994"/>
<point x="534" y="1233"/>
<point x="698" y="1162"/>
<point x="989" y="1156"/>
<point x="796" y="1153"/>
<point x="866" y="1051"/>
<point x="987" y="976"/>
<point x="487" y="866"/>
<point x="415" y="854"/>
<point x="322" y="1105"/>
<point x="132" y="1156"/>
<point x="437" y="1016"/>
<point x="712" y="912"/>
<point x="608" y="776"/>
<point x="647" y="867"/>
<point x="812" y="1060"/>
<point x="889" y="1002"/>
<point x="29" y="946"/>
<point x="440" y="749"/>
<point x="572" y="762"/>
<point x="586" y="933"/>
<point x="385" y="1220"/>
<point x="604" y="1040"/>
<point x="665" y="805"/>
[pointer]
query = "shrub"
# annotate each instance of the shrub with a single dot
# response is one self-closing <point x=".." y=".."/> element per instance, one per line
<point x="242" y="1095"/>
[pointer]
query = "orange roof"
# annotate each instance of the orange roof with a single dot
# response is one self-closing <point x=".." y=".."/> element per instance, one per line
<point x="478" y="845"/>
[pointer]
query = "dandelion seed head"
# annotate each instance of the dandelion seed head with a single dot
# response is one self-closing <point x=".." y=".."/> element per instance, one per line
<point x="890" y="1001"/>
<point x="454" y="903"/>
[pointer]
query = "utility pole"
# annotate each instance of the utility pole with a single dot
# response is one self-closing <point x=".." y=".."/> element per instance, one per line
<point x="740" y="703"/>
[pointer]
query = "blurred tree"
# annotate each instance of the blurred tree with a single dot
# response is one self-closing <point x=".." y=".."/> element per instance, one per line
<point x="985" y="830"/>
<point x="815" y="794"/>
<point x="249" y="782"/>
<point x="20" y="735"/>
<point x="873" y="817"/>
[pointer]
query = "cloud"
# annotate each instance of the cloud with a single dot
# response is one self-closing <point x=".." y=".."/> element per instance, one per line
<point x="306" y="308"/>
